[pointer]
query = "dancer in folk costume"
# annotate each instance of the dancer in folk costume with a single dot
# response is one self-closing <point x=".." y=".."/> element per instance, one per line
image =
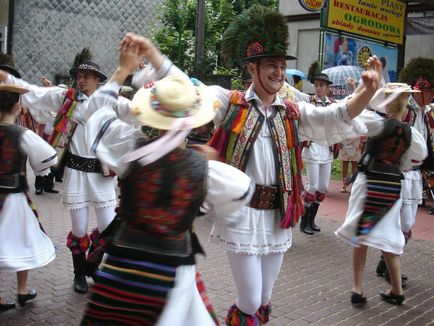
<point x="84" y="184"/>
<point x="259" y="133"/>
<point x="373" y="216"/>
<point x="420" y="115"/>
<point x="318" y="161"/>
<point x="149" y="276"/>
<point x="23" y="244"/>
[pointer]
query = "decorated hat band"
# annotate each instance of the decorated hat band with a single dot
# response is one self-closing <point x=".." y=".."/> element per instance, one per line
<point x="421" y="83"/>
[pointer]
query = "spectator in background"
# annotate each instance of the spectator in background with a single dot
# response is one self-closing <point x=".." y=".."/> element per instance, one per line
<point x="298" y="82"/>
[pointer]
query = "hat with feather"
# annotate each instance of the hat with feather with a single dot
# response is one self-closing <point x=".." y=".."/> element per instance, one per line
<point x="258" y="32"/>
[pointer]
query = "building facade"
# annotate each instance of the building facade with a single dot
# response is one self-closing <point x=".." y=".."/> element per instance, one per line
<point x="304" y="30"/>
<point x="45" y="35"/>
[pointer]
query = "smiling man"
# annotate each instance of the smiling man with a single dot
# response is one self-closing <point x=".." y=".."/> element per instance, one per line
<point x="259" y="133"/>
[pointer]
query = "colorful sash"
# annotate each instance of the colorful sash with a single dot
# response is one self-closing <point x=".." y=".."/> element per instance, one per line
<point x="64" y="127"/>
<point x="234" y="141"/>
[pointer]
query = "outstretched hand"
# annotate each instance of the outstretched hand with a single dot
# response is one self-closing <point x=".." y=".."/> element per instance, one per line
<point x="146" y="48"/>
<point x="372" y="76"/>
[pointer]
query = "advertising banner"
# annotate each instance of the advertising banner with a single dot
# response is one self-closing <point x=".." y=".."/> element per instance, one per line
<point x="378" y="19"/>
<point x="312" y="5"/>
<point x="341" y="50"/>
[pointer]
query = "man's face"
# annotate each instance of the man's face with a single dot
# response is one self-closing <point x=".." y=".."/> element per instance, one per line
<point x="271" y="72"/>
<point x="87" y="82"/>
<point x="424" y="97"/>
<point x="321" y="88"/>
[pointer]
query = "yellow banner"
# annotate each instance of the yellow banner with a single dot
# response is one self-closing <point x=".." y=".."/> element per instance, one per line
<point x="379" y="19"/>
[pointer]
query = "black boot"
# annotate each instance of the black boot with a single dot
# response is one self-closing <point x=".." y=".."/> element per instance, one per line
<point x="58" y="174"/>
<point x="80" y="284"/>
<point x="39" y="185"/>
<point x="312" y="215"/>
<point x="49" y="184"/>
<point x="304" y="223"/>
<point x="381" y="267"/>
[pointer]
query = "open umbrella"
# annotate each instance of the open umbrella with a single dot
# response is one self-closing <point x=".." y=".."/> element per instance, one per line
<point x="295" y="72"/>
<point x="339" y="74"/>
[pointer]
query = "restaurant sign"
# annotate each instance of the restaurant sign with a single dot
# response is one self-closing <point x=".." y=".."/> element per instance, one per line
<point x="378" y="19"/>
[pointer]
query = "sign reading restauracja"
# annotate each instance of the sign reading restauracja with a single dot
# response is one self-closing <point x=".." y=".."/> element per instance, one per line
<point x="378" y="19"/>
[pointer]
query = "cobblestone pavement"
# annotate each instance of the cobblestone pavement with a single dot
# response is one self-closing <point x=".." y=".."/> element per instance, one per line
<point x="312" y="288"/>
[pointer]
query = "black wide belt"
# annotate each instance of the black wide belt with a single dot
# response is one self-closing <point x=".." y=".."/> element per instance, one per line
<point x="265" y="197"/>
<point x="82" y="163"/>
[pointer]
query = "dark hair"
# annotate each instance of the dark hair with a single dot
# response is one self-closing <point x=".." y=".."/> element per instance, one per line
<point x="7" y="101"/>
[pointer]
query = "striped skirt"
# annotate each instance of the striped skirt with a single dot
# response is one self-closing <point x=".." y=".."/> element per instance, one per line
<point x="129" y="292"/>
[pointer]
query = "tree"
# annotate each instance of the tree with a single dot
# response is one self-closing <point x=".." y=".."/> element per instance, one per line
<point x="175" y="37"/>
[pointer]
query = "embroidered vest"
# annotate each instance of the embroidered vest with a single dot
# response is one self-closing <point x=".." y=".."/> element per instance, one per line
<point x="64" y="127"/>
<point x="234" y="141"/>
<point x="428" y="117"/>
<point x="159" y="203"/>
<point x="13" y="162"/>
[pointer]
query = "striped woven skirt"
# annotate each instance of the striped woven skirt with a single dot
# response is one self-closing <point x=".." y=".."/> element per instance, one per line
<point x="128" y="292"/>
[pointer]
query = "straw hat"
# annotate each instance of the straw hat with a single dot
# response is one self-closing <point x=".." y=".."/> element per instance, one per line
<point x="13" y="88"/>
<point x="165" y="103"/>
<point x="399" y="88"/>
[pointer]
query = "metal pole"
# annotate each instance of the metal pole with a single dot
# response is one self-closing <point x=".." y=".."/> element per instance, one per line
<point x="200" y="36"/>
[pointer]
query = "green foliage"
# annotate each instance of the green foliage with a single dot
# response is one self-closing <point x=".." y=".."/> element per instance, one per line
<point x="175" y="33"/>
<point x="418" y="67"/>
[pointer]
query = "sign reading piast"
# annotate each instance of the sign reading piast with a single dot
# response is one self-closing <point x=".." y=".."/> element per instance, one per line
<point x="312" y="5"/>
<point x="378" y="19"/>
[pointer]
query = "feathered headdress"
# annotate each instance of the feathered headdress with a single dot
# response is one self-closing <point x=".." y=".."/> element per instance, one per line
<point x="418" y="68"/>
<point x="313" y="71"/>
<point x="257" y="32"/>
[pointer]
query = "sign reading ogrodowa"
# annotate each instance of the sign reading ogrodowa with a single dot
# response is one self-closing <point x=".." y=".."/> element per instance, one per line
<point x="378" y="19"/>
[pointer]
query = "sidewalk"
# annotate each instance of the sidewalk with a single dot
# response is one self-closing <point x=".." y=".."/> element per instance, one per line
<point x="312" y="288"/>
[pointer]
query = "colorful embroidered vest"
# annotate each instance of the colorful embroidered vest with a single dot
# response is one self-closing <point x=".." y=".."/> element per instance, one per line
<point x="159" y="203"/>
<point x="13" y="162"/>
<point x="234" y="141"/>
<point x="64" y="126"/>
<point x="410" y="118"/>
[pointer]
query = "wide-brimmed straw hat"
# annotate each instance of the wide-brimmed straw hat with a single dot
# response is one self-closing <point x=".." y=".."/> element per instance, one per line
<point x="88" y="65"/>
<point x="399" y="88"/>
<point x="13" y="88"/>
<point x="165" y="103"/>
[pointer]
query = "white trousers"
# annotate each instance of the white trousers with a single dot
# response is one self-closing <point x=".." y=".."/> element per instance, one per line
<point x="254" y="277"/>
<point x="80" y="219"/>
<point x="318" y="177"/>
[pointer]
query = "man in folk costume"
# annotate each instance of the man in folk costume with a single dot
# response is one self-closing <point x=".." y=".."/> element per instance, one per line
<point x="420" y="115"/>
<point x="260" y="133"/>
<point x="318" y="159"/>
<point x="149" y="275"/>
<point x="84" y="184"/>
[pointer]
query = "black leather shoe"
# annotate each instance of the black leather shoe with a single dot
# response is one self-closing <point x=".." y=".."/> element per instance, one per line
<point x="381" y="267"/>
<point x="389" y="297"/>
<point x="404" y="278"/>
<point x="6" y="306"/>
<point x="357" y="299"/>
<point x="23" y="298"/>
<point x="80" y="284"/>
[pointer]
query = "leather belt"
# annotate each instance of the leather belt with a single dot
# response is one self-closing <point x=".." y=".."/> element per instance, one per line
<point x="82" y="163"/>
<point x="265" y="197"/>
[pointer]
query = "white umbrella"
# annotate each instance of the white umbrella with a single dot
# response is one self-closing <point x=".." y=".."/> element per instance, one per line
<point x="339" y="74"/>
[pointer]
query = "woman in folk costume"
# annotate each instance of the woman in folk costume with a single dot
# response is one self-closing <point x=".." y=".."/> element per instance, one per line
<point x="84" y="184"/>
<point x="259" y="133"/>
<point x="373" y="216"/>
<point x="420" y="115"/>
<point x="318" y="161"/>
<point x="23" y="243"/>
<point x="149" y="275"/>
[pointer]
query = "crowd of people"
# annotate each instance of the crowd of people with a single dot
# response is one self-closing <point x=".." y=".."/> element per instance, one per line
<point x="247" y="178"/>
